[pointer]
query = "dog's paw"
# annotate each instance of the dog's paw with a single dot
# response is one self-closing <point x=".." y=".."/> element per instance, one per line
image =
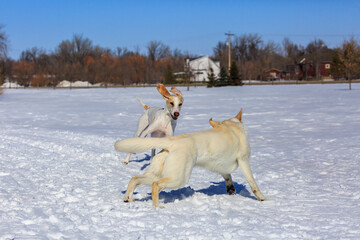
<point x="128" y="200"/>
<point x="125" y="162"/>
<point x="231" y="190"/>
<point x="264" y="199"/>
<point x="158" y="207"/>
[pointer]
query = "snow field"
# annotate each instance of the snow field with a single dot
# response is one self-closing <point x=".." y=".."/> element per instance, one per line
<point x="60" y="177"/>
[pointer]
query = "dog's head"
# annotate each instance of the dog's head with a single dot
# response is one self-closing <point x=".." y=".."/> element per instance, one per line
<point x="236" y="119"/>
<point x="173" y="102"/>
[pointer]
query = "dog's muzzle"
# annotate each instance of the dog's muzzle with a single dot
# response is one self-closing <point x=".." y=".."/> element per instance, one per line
<point x="175" y="116"/>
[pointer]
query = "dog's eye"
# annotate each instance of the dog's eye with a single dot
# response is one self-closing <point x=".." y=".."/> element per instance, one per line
<point x="172" y="104"/>
<point x="180" y="104"/>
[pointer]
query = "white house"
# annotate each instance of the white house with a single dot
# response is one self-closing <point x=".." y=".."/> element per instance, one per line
<point x="200" y="67"/>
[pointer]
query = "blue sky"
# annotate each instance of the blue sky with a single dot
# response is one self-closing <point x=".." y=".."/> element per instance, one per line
<point x="192" y="26"/>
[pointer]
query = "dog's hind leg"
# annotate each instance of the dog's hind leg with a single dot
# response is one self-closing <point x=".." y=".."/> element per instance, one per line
<point x="126" y="161"/>
<point x="144" y="179"/>
<point x="143" y="124"/>
<point x="246" y="170"/>
<point x="152" y="175"/>
<point x="157" y="187"/>
<point x="230" y="188"/>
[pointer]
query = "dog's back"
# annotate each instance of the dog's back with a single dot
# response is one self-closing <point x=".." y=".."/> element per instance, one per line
<point x="216" y="149"/>
<point x="219" y="149"/>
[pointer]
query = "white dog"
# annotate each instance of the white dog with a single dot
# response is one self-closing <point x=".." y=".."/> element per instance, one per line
<point x="159" y="122"/>
<point x="222" y="149"/>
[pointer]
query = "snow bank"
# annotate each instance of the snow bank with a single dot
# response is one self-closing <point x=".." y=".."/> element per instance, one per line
<point x="11" y="85"/>
<point x="67" y="84"/>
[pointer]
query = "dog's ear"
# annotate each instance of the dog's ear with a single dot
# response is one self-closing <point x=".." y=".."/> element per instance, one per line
<point x="213" y="123"/>
<point x="162" y="90"/>
<point x="238" y="116"/>
<point x="176" y="91"/>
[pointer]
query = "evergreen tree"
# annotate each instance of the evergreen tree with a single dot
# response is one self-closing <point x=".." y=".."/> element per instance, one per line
<point x="169" y="76"/>
<point x="211" y="78"/>
<point x="235" y="78"/>
<point x="223" y="79"/>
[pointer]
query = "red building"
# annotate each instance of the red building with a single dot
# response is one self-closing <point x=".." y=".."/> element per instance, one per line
<point x="273" y="74"/>
<point x="307" y="71"/>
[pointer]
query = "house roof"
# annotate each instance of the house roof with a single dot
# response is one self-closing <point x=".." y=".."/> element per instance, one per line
<point x="273" y="69"/>
<point x="192" y="59"/>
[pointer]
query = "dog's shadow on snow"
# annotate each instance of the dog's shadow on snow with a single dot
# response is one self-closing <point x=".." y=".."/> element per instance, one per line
<point x="216" y="188"/>
<point x="219" y="188"/>
<point x="146" y="158"/>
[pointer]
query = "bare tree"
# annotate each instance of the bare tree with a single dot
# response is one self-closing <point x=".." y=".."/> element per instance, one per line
<point x="33" y="55"/>
<point x="269" y="57"/>
<point x="247" y="51"/>
<point x="123" y="52"/>
<point x="157" y="50"/>
<point x="3" y="53"/>
<point x="3" y="44"/>
<point x="291" y="51"/>
<point x="65" y="51"/>
<point x="75" y="50"/>
<point x="82" y="47"/>
<point x="221" y="53"/>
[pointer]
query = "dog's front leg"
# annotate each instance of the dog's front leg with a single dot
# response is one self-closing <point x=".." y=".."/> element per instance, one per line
<point x="169" y="130"/>
<point x="230" y="188"/>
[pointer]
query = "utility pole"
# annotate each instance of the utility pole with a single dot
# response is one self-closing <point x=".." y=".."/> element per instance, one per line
<point x="229" y="42"/>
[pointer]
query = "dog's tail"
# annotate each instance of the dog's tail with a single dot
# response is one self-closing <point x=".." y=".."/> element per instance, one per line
<point x="143" y="104"/>
<point x="137" y="145"/>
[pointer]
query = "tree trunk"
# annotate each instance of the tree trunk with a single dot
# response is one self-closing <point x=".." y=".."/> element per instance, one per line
<point x="349" y="83"/>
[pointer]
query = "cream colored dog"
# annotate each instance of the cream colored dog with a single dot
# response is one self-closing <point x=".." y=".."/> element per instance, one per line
<point x="222" y="149"/>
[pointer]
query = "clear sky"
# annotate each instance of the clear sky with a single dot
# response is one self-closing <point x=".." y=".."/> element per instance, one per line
<point x="195" y="26"/>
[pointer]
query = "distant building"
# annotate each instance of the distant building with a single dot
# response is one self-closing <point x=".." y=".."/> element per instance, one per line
<point x="325" y="70"/>
<point x="273" y="74"/>
<point x="199" y="68"/>
<point x="307" y="71"/>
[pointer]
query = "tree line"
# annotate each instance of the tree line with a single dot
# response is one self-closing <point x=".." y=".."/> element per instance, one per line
<point x="78" y="59"/>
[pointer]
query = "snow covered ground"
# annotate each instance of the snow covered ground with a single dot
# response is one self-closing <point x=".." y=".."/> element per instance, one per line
<point x="60" y="177"/>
